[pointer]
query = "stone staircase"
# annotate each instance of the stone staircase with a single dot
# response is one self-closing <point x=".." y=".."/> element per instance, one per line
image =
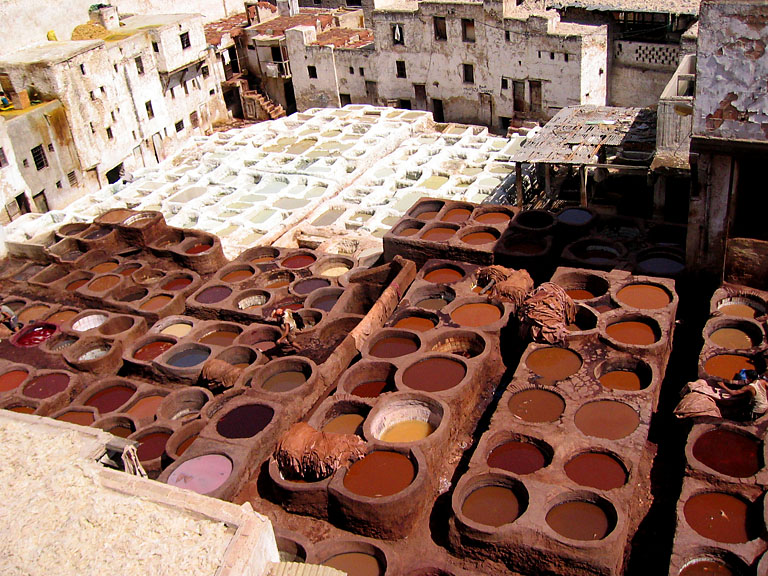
<point x="265" y="108"/>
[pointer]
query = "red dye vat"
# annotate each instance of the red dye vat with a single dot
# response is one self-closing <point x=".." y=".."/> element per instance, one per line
<point x="47" y="385"/>
<point x="35" y="335"/>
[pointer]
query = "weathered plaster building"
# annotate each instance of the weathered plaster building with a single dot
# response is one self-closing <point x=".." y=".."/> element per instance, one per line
<point x="126" y="100"/>
<point x="14" y="191"/>
<point x="730" y="143"/>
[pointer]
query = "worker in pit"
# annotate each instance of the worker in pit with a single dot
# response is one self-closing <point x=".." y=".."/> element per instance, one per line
<point x="748" y="385"/>
<point x="9" y="319"/>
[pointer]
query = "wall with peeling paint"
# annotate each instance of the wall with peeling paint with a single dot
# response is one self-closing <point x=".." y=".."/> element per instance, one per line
<point x="11" y="181"/>
<point x="732" y="67"/>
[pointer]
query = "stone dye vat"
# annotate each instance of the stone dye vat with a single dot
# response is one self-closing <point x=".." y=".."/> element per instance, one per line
<point x="555" y="479"/>
<point x="721" y="511"/>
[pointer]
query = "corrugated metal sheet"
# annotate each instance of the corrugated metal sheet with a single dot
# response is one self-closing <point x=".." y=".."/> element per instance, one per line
<point x="298" y="569"/>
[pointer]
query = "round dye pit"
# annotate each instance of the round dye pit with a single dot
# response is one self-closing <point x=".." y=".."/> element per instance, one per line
<point x="380" y="474"/>
<point x="310" y="285"/>
<point x="189" y="357"/>
<point x="155" y="303"/>
<point x="492" y="506"/>
<point x="632" y="332"/>
<point x="644" y="296"/>
<point x="111" y="398"/>
<point x="104" y="283"/>
<point x="706" y="567"/>
<point x="479" y="238"/>
<point x="22" y="409"/>
<point x="184" y="446"/>
<point x="198" y="248"/>
<point x="575" y="216"/>
<point x="426" y="215"/>
<point x="213" y="294"/>
<point x="284" y="381"/>
<point x="720" y="517"/>
<point x="596" y="470"/>
<point x="129" y="269"/>
<point x="152" y="445"/>
<point x="35" y="335"/>
<point x="219" y="338"/>
<point x="621" y="380"/>
<point x="580" y="294"/>
<point x="738" y="309"/>
<point x="518" y="457"/>
<point x="179" y="329"/>
<point x="72" y="286"/>
<point x="238" y="275"/>
<point x="12" y="379"/>
<point x="202" y="474"/>
<point x="407" y="431"/>
<point x="245" y="421"/>
<point x="493" y="218"/>
<point x="579" y="520"/>
<point x="61" y="317"/>
<point x="731" y="338"/>
<point x="33" y="313"/>
<point x="47" y="385"/>
<point x="729" y="452"/>
<point x="356" y="564"/>
<point x="175" y="284"/>
<point x="104" y="267"/>
<point x="89" y="322"/>
<point x="726" y="366"/>
<point x="415" y="323"/>
<point x="146" y="407"/>
<point x="394" y="346"/>
<point x="607" y="419"/>
<point x="79" y="417"/>
<point x="411" y="231"/>
<point x="150" y="351"/>
<point x="476" y="314"/>
<point x="456" y="215"/>
<point x="438" y="234"/>
<point x="334" y="271"/>
<point x="345" y="424"/>
<point x="97" y="233"/>
<point x="537" y="406"/>
<point x="434" y="374"/>
<point x="298" y="261"/>
<point x="325" y="302"/>
<point x="661" y="265"/>
<point x="552" y="363"/>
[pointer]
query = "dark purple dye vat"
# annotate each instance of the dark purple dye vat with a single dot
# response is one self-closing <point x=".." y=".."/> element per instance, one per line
<point x="47" y="385"/>
<point x="213" y="294"/>
<point x="245" y="421"/>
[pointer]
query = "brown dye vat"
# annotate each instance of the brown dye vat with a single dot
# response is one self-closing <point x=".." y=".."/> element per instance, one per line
<point x="23" y="409"/>
<point x="553" y="363"/>
<point x="517" y="457"/>
<point x="77" y="417"/>
<point x="579" y="520"/>
<point x="706" y="567"/>
<point x="603" y="308"/>
<point x="245" y="421"/>
<point x="537" y="406"/>
<point x="310" y="285"/>
<point x="645" y="296"/>
<point x="237" y="275"/>
<point x="46" y="386"/>
<point x="152" y="445"/>
<point x="298" y="261"/>
<point x="104" y="267"/>
<point x="596" y="470"/>
<point x="177" y="284"/>
<point x="33" y="313"/>
<point x="527" y="248"/>
<point x="371" y="389"/>
<point x="262" y="260"/>
<point x="284" y="381"/>
<point x="129" y="269"/>
<point x="61" y="317"/>
<point x="491" y="506"/>
<point x="726" y="366"/>
<point x="146" y="407"/>
<point x="11" y="380"/>
<point x="427" y="215"/>
<point x="278" y="283"/>
<point x="720" y="517"/>
<point x="155" y="303"/>
<point x="104" y="283"/>
<point x="621" y="380"/>
<point x="493" y="218"/>
<point x="121" y="431"/>
<point x="214" y="294"/>
<point x="198" y="248"/>
<point x="632" y="332"/>
<point x="345" y="424"/>
<point x="728" y="452"/>
<point x="443" y="275"/>
<point x="407" y="431"/>
<point x="219" y="338"/>
<point x="739" y="310"/>
<point x="150" y="351"/>
<point x="731" y="338"/>
<point x="393" y="347"/>
<point x="434" y="374"/>
<point x="607" y="419"/>
<point x="356" y="564"/>
<point x="476" y="314"/>
<point x="438" y="234"/>
<point x="578" y="294"/>
<point x="72" y="286"/>
<point x="456" y="215"/>
<point x="477" y="238"/>
<point x="380" y="474"/>
<point x="415" y="323"/>
<point x="184" y="446"/>
<point x="110" y="399"/>
<point x="432" y="303"/>
<point x="408" y="231"/>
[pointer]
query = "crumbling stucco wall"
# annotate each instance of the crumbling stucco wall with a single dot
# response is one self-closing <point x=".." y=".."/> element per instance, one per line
<point x="732" y="66"/>
<point x="11" y="181"/>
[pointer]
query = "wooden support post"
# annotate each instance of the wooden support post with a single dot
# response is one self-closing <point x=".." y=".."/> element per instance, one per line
<point x="519" y="184"/>
<point x="548" y="180"/>
<point x="583" y="184"/>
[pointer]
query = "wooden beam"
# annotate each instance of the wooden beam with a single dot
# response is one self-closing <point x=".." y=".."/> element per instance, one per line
<point x="519" y="184"/>
<point x="583" y="184"/>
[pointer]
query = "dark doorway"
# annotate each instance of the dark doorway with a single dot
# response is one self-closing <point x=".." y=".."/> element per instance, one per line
<point x="114" y="174"/>
<point x="420" y="90"/>
<point x="437" y="110"/>
<point x="290" y="97"/>
<point x="345" y="99"/>
<point x="233" y="60"/>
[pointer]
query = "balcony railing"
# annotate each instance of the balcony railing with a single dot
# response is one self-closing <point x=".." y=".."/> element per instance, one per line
<point x="276" y="69"/>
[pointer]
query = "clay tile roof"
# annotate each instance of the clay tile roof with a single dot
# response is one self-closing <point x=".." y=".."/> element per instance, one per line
<point x="267" y="6"/>
<point x="279" y="25"/>
<point x="214" y="31"/>
<point x="345" y="37"/>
